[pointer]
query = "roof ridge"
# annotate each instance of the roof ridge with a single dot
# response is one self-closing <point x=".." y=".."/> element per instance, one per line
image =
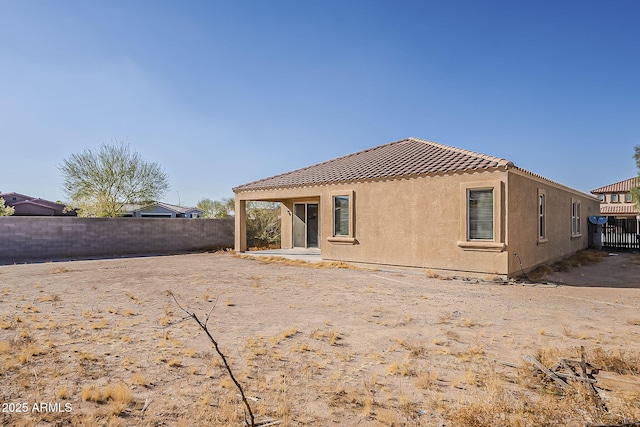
<point x="346" y="156"/>
<point x="404" y="157"/>
<point x="610" y="187"/>
<point x="500" y="160"/>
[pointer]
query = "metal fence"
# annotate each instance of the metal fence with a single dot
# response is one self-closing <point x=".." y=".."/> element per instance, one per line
<point x="621" y="234"/>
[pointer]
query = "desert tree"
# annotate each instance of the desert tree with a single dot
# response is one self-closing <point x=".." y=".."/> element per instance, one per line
<point x="635" y="191"/>
<point x="223" y="208"/>
<point x="5" y="210"/>
<point x="263" y="223"/>
<point x="99" y="183"/>
<point x="263" y="218"/>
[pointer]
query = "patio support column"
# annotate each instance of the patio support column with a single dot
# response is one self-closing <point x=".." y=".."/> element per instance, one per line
<point x="241" y="225"/>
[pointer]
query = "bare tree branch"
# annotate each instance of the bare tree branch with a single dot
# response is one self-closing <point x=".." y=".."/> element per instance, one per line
<point x="204" y="327"/>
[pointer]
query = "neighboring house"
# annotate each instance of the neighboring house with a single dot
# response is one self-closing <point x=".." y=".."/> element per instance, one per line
<point x="616" y="200"/>
<point x="417" y="203"/>
<point x="618" y="206"/>
<point x="34" y="206"/>
<point x="161" y="210"/>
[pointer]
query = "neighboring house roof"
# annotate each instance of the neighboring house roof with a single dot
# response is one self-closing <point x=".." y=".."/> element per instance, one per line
<point x="625" y="209"/>
<point x="407" y="157"/>
<point x="23" y="199"/>
<point x="130" y="208"/>
<point x="619" y="187"/>
<point x="178" y="209"/>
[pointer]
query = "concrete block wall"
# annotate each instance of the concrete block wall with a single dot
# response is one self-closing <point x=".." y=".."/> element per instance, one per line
<point x="53" y="238"/>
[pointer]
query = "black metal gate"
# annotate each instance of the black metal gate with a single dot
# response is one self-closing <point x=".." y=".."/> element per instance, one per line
<point x="621" y="234"/>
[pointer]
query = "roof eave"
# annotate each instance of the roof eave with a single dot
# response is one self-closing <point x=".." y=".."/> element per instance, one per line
<point x="501" y="166"/>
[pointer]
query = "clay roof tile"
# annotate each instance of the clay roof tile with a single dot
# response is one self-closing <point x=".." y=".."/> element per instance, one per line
<point x="407" y="157"/>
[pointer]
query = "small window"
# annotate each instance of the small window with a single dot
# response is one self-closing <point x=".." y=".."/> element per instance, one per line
<point x="542" y="233"/>
<point x="628" y="198"/>
<point x="341" y="215"/>
<point x="601" y="197"/>
<point x="575" y="218"/>
<point x="614" y="198"/>
<point x="480" y="205"/>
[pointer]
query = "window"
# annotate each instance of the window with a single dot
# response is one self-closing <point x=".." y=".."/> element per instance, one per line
<point x="602" y="198"/>
<point x="341" y="215"/>
<point x="628" y="198"/>
<point x="575" y="218"/>
<point x="542" y="233"/>
<point x="481" y="226"/>
<point x="480" y="205"/>
<point x="614" y="198"/>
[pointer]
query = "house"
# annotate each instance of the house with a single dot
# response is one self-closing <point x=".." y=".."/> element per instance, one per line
<point x="623" y="216"/>
<point x="34" y="206"/>
<point x="616" y="200"/>
<point x="161" y="210"/>
<point x="417" y="203"/>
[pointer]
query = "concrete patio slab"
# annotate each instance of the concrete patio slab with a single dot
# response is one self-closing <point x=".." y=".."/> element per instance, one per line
<point x="303" y="254"/>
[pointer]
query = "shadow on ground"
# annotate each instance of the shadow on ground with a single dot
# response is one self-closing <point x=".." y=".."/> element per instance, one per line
<point x="618" y="270"/>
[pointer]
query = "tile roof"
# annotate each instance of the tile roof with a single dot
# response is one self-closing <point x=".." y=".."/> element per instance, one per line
<point x="404" y="158"/>
<point x="626" y="209"/>
<point x="29" y="200"/>
<point x="619" y="187"/>
<point x="130" y="208"/>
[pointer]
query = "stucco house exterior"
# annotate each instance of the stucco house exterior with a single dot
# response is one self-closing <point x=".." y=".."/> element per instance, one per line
<point x="34" y="206"/>
<point x="619" y="207"/>
<point x="161" y="210"/>
<point x="616" y="200"/>
<point x="417" y="203"/>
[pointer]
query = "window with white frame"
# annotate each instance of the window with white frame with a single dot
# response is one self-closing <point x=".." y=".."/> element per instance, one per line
<point x="341" y="215"/>
<point x="542" y="221"/>
<point x="614" y="198"/>
<point x="575" y="218"/>
<point x="480" y="214"/>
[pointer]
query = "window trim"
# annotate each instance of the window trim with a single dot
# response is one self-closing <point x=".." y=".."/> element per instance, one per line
<point x="576" y="218"/>
<point x="349" y="238"/>
<point x="496" y="244"/>
<point x="541" y="216"/>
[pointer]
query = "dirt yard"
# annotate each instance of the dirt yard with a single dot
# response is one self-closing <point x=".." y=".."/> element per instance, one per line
<point x="102" y="343"/>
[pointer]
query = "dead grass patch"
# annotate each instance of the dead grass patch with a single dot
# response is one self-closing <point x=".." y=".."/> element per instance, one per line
<point x="58" y="270"/>
<point x="306" y="347"/>
<point x="298" y="262"/>
<point x="585" y="257"/>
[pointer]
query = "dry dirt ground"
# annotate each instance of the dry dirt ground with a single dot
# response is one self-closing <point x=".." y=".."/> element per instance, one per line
<point x="102" y="343"/>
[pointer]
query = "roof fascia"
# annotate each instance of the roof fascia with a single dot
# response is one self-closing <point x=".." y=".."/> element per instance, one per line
<point x="556" y="184"/>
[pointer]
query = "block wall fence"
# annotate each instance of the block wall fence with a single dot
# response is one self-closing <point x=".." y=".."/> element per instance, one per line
<point x="24" y="239"/>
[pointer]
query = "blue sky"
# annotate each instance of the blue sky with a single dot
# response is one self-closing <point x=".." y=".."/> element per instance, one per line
<point x="223" y="93"/>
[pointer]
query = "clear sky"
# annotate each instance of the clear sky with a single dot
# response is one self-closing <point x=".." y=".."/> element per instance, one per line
<point x="221" y="93"/>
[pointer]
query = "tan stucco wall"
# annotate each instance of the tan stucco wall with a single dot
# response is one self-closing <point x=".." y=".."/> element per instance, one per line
<point x="523" y="218"/>
<point x="609" y="206"/>
<point x="409" y="222"/>
<point x="421" y="222"/>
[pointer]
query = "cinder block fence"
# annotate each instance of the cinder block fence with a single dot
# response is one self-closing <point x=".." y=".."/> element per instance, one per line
<point x="25" y="239"/>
